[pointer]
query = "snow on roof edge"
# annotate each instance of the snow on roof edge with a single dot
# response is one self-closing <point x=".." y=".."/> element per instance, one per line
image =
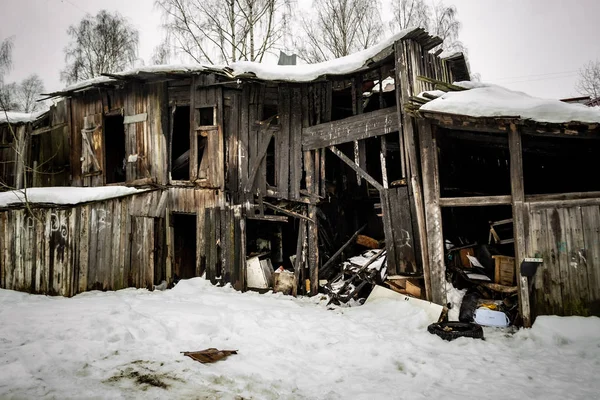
<point x="489" y="100"/>
<point x="15" y="117"/>
<point x="65" y="195"/>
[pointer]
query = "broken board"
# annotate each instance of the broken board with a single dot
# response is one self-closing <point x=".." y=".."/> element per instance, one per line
<point x="432" y="310"/>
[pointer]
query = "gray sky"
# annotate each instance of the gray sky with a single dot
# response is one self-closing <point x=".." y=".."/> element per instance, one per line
<point x="536" y="46"/>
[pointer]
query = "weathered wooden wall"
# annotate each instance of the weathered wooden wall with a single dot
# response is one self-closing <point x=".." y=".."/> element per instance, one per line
<point x="13" y="155"/>
<point x="106" y="245"/>
<point x="567" y="237"/>
<point x="50" y="150"/>
<point x="144" y="107"/>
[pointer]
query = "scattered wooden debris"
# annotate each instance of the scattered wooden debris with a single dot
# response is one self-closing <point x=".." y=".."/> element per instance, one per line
<point x="209" y="355"/>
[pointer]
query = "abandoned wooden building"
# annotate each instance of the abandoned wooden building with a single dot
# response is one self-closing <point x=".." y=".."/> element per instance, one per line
<point x="290" y="164"/>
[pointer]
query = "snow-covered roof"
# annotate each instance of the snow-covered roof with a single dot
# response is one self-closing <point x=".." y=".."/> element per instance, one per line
<point x="151" y="69"/>
<point x="310" y="72"/>
<point x="19" y="117"/>
<point x="287" y="73"/>
<point x="487" y="100"/>
<point x="64" y="195"/>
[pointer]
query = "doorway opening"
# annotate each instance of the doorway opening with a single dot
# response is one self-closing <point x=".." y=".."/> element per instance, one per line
<point x="114" y="149"/>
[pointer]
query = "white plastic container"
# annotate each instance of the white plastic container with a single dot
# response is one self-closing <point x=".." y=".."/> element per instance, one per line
<point x="486" y="317"/>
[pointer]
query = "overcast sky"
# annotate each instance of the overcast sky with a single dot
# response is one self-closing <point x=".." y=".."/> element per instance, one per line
<point x="536" y="46"/>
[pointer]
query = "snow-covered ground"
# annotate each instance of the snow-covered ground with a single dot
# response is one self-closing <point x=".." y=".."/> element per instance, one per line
<point x="127" y="344"/>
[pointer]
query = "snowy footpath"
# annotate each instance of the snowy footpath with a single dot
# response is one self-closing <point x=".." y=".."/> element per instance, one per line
<point x="127" y="345"/>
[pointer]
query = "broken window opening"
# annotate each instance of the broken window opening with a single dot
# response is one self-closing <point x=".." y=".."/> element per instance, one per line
<point x="114" y="149"/>
<point x="180" y="144"/>
<point x="473" y="164"/>
<point x="206" y="116"/>
<point x="393" y="159"/>
<point x="560" y="165"/>
<point x="271" y="111"/>
<point x="184" y="248"/>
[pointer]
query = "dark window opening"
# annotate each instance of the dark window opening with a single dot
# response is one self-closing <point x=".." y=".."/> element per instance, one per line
<point x="206" y="116"/>
<point x="202" y="159"/>
<point x="393" y="158"/>
<point x="114" y="149"/>
<point x="473" y="164"/>
<point x="341" y="103"/>
<point x="180" y="150"/>
<point x="184" y="251"/>
<point x="560" y="165"/>
<point x="271" y="111"/>
<point x="270" y="163"/>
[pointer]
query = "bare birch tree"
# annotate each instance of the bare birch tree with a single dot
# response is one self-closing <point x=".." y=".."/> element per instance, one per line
<point x="6" y="91"/>
<point x="28" y="92"/>
<point x="224" y="31"/>
<point x="99" y="44"/>
<point x="589" y="80"/>
<point x="437" y="18"/>
<point x="339" y="28"/>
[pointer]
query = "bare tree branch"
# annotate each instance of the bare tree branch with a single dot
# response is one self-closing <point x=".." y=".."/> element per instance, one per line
<point x="589" y="79"/>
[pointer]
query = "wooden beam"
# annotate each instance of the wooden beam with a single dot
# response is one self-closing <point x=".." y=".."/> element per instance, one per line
<point x="520" y="215"/>
<point x="475" y="201"/>
<point x="341" y="249"/>
<point x="356" y="168"/>
<point x="286" y="212"/>
<point x="562" y="196"/>
<point x="358" y="127"/>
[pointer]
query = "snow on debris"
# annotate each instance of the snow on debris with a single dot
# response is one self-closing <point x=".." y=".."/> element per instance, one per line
<point x="127" y="344"/>
<point x="64" y="195"/>
<point x="486" y="100"/>
<point x="309" y="72"/>
<point x="14" y="117"/>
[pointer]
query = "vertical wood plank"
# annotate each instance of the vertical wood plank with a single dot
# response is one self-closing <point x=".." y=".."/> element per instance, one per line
<point x="591" y="234"/>
<point x="519" y="218"/>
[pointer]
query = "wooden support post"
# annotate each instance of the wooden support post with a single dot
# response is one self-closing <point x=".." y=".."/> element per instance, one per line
<point x="520" y="218"/>
<point x="433" y="214"/>
<point x="313" y="232"/>
<point x="382" y="156"/>
<point x="408" y="151"/>
<point x="299" y="261"/>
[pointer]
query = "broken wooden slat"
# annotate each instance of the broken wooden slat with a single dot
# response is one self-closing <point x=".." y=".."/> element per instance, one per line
<point x="356" y="168"/>
<point x="209" y="355"/>
<point x="341" y="249"/>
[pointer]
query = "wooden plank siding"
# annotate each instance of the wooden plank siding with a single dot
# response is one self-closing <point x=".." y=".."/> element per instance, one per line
<point x="568" y="239"/>
<point x="69" y="250"/>
<point x="358" y="127"/>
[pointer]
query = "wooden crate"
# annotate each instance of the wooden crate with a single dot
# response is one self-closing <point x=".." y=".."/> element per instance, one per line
<point x="505" y="270"/>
